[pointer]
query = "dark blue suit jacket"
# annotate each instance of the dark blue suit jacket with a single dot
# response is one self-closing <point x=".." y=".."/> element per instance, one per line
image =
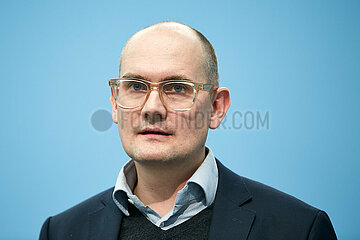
<point x="243" y="209"/>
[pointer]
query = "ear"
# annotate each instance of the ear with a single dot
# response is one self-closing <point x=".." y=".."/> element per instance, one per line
<point x="220" y="106"/>
<point x="114" y="106"/>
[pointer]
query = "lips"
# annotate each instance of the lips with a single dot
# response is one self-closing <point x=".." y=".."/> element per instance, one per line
<point x="150" y="131"/>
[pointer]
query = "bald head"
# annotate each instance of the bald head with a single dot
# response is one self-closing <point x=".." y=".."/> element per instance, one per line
<point x="192" y="40"/>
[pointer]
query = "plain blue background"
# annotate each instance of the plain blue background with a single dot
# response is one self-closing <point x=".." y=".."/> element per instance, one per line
<point x="298" y="61"/>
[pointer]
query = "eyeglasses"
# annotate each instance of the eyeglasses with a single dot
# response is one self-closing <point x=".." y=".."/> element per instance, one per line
<point x="178" y="95"/>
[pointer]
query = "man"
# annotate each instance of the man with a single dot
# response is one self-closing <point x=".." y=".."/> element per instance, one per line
<point x="164" y="102"/>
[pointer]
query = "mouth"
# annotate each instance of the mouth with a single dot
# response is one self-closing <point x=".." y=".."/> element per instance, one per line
<point x="160" y="132"/>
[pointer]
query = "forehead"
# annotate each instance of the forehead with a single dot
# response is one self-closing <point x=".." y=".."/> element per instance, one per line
<point x="159" y="53"/>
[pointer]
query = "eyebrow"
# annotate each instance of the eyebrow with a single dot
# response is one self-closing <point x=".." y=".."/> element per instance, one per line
<point x="172" y="77"/>
<point x="176" y="77"/>
<point x="131" y="75"/>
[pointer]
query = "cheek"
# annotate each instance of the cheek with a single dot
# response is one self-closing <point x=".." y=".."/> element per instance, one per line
<point x="128" y="122"/>
<point x="193" y="122"/>
<point x="194" y="131"/>
<point x="200" y="117"/>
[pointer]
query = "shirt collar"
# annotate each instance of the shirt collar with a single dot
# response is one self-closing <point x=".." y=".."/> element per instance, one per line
<point x="206" y="176"/>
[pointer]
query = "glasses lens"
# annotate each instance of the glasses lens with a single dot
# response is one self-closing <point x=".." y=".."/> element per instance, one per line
<point x="130" y="93"/>
<point x="178" y="95"/>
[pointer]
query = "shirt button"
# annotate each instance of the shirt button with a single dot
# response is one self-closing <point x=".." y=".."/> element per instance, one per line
<point x="131" y="201"/>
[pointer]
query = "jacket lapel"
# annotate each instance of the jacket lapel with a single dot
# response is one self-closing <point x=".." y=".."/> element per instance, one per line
<point x="230" y="220"/>
<point x="105" y="221"/>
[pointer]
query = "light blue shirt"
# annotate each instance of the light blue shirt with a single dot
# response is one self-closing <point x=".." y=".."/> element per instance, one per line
<point x="198" y="193"/>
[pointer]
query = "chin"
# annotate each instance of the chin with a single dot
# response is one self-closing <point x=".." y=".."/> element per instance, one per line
<point x="145" y="154"/>
<point x="154" y="156"/>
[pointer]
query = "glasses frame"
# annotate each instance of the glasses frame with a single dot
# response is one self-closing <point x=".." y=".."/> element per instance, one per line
<point x="158" y="87"/>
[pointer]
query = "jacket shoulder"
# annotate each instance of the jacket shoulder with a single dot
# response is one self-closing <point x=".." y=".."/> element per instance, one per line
<point x="262" y="195"/>
<point x="72" y="223"/>
<point x="87" y="206"/>
<point x="276" y="213"/>
<point x="271" y="197"/>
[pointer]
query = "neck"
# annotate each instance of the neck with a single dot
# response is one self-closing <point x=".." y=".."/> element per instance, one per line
<point x="158" y="184"/>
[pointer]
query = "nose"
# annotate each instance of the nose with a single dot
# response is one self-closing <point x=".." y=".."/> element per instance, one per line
<point x="154" y="110"/>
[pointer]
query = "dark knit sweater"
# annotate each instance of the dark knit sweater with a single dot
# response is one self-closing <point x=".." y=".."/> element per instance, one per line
<point x="137" y="227"/>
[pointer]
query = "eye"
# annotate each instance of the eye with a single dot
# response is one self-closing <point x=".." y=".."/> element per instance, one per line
<point x="176" y="88"/>
<point x="137" y="86"/>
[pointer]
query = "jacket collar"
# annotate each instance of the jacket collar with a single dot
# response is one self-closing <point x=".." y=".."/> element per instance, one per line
<point x="105" y="221"/>
<point x="230" y="218"/>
